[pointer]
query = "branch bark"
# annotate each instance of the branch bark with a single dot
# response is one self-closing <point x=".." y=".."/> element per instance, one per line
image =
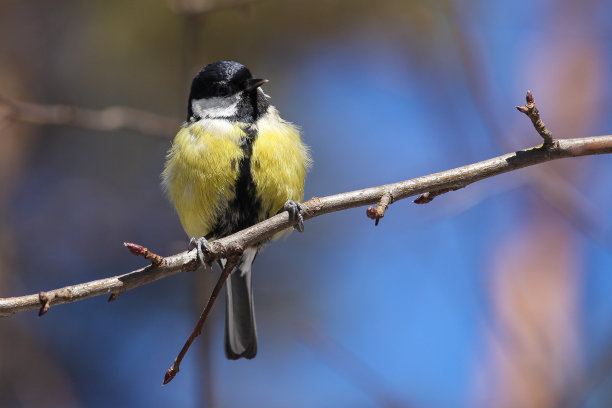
<point x="225" y="247"/>
<point x="107" y="119"/>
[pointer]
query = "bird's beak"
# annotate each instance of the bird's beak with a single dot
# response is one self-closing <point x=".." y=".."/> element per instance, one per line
<point x="254" y="83"/>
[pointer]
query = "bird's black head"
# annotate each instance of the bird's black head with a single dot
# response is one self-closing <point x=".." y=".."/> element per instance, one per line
<point x="226" y="89"/>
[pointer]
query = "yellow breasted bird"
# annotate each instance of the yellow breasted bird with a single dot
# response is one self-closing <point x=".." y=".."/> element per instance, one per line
<point x="234" y="163"/>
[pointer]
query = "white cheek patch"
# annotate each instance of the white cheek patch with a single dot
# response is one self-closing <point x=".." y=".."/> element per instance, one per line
<point x="216" y="107"/>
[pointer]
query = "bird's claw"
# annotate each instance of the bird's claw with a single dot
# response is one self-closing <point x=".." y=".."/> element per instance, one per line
<point x="295" y="213"/>
<point x="202" y="246"/>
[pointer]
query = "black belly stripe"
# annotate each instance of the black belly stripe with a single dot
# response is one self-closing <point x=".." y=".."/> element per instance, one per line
<point x="243" y="211"/>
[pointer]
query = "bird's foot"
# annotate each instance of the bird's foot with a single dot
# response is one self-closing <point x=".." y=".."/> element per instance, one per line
<point x="202" y="246"/>
<point x="295" y="213"/>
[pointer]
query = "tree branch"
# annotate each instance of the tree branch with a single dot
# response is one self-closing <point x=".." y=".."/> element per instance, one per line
<point x="107" y="119"/>
<point x="227" y="246"/>
<point x="197" y="330"/>
<point x="534" y="114"/>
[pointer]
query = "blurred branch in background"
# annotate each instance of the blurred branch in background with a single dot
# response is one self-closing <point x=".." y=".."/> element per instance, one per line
<point x="108" y="119"/>
<point x="578" y="109"/>
<point x="534" y="357"/>
<point x="585" y="384"/>
<point x="25" y="359"/>
<point x="193" y="14"/>
<point x="533" y="346"/>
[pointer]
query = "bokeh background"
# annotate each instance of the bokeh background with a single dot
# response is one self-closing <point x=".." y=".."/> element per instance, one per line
<point x="497" y="295"/>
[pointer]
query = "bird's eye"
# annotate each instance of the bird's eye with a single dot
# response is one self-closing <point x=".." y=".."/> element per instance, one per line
<point x="223" y="90"/>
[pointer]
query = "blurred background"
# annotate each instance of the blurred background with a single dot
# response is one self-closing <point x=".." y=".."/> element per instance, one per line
<point x="497" y="295"/>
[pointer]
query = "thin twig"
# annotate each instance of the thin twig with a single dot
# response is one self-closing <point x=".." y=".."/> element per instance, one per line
<point x="197" y="330"/>
<point x="139" y="250"/>
<point x="474" y="69"/>
<point x="376" y="213"/>
<point x="428" y="197"/>
<point x="532" y="112"/>
<point x="107" y="119"/>
<point x="227" y="246"/>
<point x="44" y="301"/>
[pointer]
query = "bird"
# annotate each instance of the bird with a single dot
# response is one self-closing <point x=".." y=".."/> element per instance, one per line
<point x="233" y="163"/>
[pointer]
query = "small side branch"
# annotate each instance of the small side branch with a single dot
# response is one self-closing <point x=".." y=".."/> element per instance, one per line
<point x="139" y="250"/>
<point x="379" y="212"/>
<point x="428" y="197"/>
<point x="56" y="296"/>
<point x="44" y="301"/>
<point x="197" y="330"/>
<point x="532" y="112"/>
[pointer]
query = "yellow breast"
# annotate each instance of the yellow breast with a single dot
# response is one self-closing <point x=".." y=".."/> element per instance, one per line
<point x="279" y="163"/>
<point x="202" y="169"/>
<point x="201" y="172"/>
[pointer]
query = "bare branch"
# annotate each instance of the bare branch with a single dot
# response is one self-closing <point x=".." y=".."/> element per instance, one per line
<point x="376" y="213"/>
<point x="534" y="114"/>
<point x="111" y="118"/>
<point x="185" y="261"/>
<point x="233" y="244"/>
<point x="139" y="250"/>
<point x="428" y="197"/>
<point x="197" y="330"/>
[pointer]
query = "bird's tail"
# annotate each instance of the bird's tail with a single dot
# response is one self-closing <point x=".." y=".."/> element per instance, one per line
<point x="240" y="331"/>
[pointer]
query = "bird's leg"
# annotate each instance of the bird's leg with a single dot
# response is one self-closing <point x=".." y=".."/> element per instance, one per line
<point x="295" y="213"/>
<point x="202" y="246"/>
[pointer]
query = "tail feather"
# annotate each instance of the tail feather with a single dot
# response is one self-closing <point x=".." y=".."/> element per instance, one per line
<point x="240" y="330"/>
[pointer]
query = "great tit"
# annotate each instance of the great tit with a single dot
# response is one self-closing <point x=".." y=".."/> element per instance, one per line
<point x="234" y="163"/>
